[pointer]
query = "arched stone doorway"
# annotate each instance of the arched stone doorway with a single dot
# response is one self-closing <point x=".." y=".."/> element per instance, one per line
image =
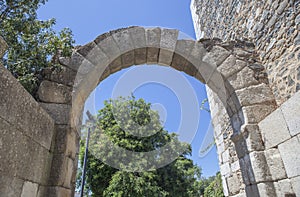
<point x="236" y="87"/>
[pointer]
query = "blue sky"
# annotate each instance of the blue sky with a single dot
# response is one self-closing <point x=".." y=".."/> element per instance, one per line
<point x="90" y="18"/>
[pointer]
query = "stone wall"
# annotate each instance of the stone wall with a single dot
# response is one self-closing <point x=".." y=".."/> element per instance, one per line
<point x="281" y="136"/>
<point x="272" y="25"/>
<point x="26" y="133"/>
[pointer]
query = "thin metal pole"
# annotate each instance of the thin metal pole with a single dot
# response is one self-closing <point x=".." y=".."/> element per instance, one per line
<point x="84" y="163"/>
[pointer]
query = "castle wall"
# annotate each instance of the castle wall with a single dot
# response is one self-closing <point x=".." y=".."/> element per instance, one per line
<point x="273" y="26"/>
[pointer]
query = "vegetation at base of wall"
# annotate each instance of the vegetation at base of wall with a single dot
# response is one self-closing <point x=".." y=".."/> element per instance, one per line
<point x="32" y="44"/>
<point x="180" y="178"/>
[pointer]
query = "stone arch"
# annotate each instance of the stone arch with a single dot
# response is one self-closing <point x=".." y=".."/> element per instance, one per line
<point x="235" y="80"/>
<point x="122" y="48"/>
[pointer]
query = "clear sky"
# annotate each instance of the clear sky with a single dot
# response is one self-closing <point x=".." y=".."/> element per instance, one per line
<point x="90" y="18"/>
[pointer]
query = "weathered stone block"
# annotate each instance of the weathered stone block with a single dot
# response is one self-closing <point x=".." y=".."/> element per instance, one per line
<point x="168" y="42"/>
<point x="231" y="66"/>
<point x="165" y="57"/>
<point x="284" y="188"/>
<point x="115" y="65"/>
<point x="153" y="37"/>
<point x="266" y="189"/>
<point x="51" y="92"/>
<point x="275" y="164"/>
<point x="10" y="185"/>
<point x="233" y="183"/>
<point x="252" y="137"/>
<point x="260" y="167"/>
<point x="59" y="170"/>
<point x="22" y="156"/>
<point x="128" y="59"/>
<point x="216" y="82"/>
<point x="109" y="47"/>
<point x="93" y="53"/>
<point x="168" y="39"/>
<point x="242" y="79"/>
<point x="290" y="154"/>
<point x="21" y="110"/>
<point x="225" y="187"/>
<point x="58" y="192"/>
<point x="178" y="62"/>
<point x="235" y="166"/>
<point x="140" y="56"/>
<point x="66" y="141"/>
<point x="274" y="129"/>
<point x="255" y="95"/>
<point x="152" y="55"/>
<point x="296" y="185"/>
<point x="83" y="69"/>
<point x="33" y="161"/>
<point x="62" y="75"/>
<point x="59" y="112"/>
<point x="184" y="48"/>
<point x="29" y="189"/>
<point x="225" y="169"/>
<point x="291" y="113"/>
<point x="69" y="173"/>
<point x="123" y="40"/>
<point x="138" y="36"/>
<point x="225" y="156"/>
<point x="64" y="61"/>
<point x="72" y="62"/>
<point x="256" y="113"/>
<point x="216" y="56"/>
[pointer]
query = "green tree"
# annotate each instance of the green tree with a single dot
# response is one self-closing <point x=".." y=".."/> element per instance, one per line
<point x="214" y="189"/>
<point x="33" y="44"/>
<point x="179" y="178"/>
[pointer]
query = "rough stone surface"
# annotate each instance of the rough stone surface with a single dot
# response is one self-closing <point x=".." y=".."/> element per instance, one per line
<point x="231" y="65"/>
<point x="284" y="188"/>
<point x="59" y="112"/>
<point x="58" y="192"/>
<point x="290" y="154"/>
<point x="51" y="92"/>
<point x="291" y="113"/>
<point x="275" y="164"/>
<point x="256" y="113"/>
<point x="21" y="110"/>
<point x="29" y="189"/>
<point x="296" y="184"/>
<point x="255" y="95"/>
<point x="66" y="141"/>
<point x="273" y="26"/>
<point x="260" y="167"/>
<point x="266" y="189"/>
<point x="274" y="129"/>
<point x="10" y="186"/>
<point x="216" y="56"/>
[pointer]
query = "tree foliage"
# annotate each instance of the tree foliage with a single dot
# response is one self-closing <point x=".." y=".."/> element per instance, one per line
<point x="179" y="178"/>
<point x="214" y="189"/>
<point x="33" y="44"/>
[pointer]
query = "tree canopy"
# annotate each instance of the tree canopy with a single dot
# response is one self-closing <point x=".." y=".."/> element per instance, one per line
<point x="180" y="177"/>
<point x="32" y="44"/>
